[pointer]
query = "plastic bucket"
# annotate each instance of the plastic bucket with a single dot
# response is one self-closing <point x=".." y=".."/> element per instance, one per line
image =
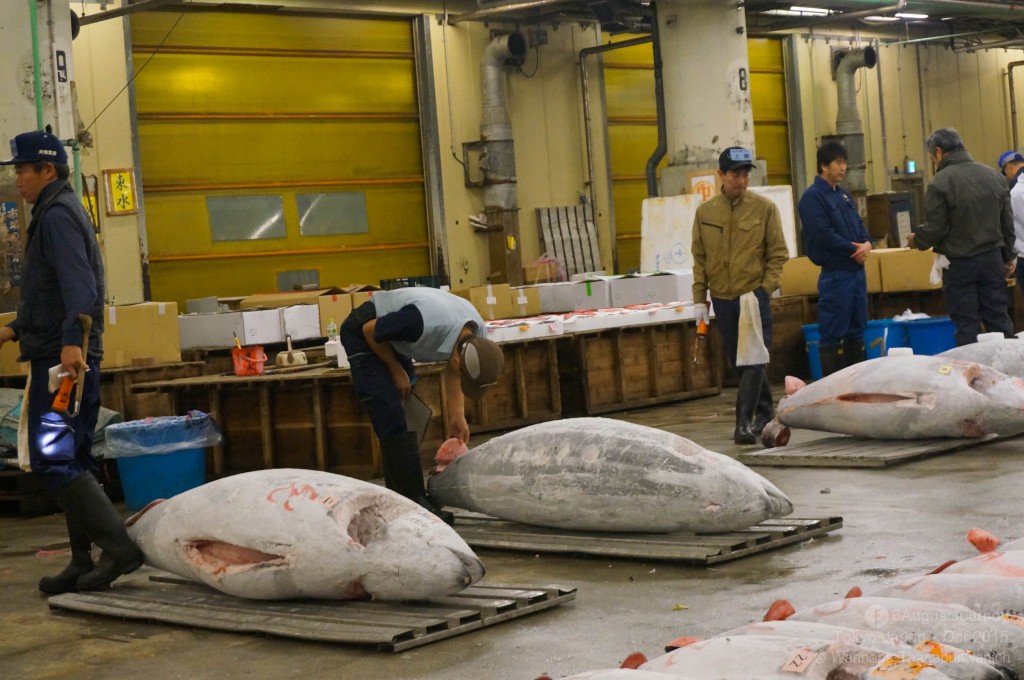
<point x="931" y="336"/>
<point x="812" y="337"/>
<point x="160" y="475"/>
<point x="248" y="360"/>
<point x="883" y="334"/>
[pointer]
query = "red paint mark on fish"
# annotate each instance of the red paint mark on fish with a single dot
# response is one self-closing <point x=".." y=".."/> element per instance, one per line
<point x="855" y="592"/>
<point x="294" y="491"/>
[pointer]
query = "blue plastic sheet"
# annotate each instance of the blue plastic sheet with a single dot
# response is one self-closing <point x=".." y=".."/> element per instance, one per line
<point x="164" y="434"/>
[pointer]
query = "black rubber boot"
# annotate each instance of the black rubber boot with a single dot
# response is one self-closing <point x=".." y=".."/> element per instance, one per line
<point x="764" y="409"/>
<point x="89" y="509"/>
<point x="853" y="350"/>
<point x="832" y="357"/>
<point x="746" y="399"/>
<point x="81" y="563"/>
<point x="403" y="471"/>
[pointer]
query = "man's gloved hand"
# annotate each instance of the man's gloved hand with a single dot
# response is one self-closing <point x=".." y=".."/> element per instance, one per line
<point x="700" y="313"/>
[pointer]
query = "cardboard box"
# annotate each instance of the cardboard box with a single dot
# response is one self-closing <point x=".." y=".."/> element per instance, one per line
<point x="205" y="305"/>
<point x="273" y="300"/>
<point x="359" y="297"/>
<point x="140" y="331"/>
<point x="873" y="272"/>
<point x="540" y="273"/>
<point x="525" y="301"/>
<point x="800" y="277"/>
<point x="906" y="269"/>
<point x="336" y="306"/>
<point x="493" y="301"/>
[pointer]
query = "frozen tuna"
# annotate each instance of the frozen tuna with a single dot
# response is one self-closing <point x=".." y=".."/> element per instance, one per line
<point x="283" y="533"/>
<point x="616" y="674"/>
<point x="984" y="593"/>
<point x="909" y="397"/>
<point x="952" y="661"/>
<point x="773" y="657"/>
<point x="598" y="474"/>
<point x="998" y="639"/>
<point x="1005" y="355"/>
<point x="995" y="563"/>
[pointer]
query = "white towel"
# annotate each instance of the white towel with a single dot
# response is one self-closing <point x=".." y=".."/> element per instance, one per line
<point x="940" y="263"/>
<point x="750" y="349"/>
<point x="23" y="459"/>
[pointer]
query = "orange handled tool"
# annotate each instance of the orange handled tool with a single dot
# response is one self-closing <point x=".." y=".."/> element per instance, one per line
<point x="62" y="401"/>
<point x="702" y="334"/>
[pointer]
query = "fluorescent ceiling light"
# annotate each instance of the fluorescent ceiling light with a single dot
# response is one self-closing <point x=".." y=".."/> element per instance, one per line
<point x="907" y="15"/>
<point x="808" y="10"/>
<point x="880" y="19"/>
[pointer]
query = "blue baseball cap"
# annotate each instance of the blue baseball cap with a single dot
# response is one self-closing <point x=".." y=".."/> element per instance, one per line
<point x="1009" y="156"/>
<point x="736" y="158"/>
<point x="36" y="146"/>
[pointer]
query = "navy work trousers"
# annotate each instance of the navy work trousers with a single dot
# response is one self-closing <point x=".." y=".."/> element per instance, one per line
<point x="372" y="383"/>
<point x="842" y="304"/>
<point x="975" y="292"/>
<point x="60" y="447"/>
<point x="727" y="316"/>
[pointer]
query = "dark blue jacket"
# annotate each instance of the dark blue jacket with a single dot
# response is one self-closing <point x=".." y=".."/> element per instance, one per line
<point x="831" y="226"/>
<point x="62" y="278"/>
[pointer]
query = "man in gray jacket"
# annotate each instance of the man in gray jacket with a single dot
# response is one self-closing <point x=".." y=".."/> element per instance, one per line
<point x="968" y="219"/>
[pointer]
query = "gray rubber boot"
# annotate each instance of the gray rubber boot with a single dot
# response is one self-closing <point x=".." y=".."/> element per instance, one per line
<point x="89" y="508"/>
<point x="764" y="409"/>
<point x="81" y="563"/>
<point x="403" y="471"/>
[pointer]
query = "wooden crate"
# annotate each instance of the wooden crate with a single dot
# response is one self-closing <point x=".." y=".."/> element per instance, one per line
<point x="116" y="388"/>
<point x="528" y="392"/>
<point x="789" y="348"/>
<point x="632" y="367"/>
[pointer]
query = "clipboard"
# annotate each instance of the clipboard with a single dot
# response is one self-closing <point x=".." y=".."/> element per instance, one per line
<point x="417" y="416"/>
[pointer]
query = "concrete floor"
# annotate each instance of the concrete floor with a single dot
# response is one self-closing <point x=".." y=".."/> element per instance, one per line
<point x="899" y="521"/>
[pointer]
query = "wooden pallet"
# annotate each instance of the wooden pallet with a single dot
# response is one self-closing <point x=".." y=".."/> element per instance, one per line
<point x="384" y="625"/>
<point x="481" y="531"/>
<point x="846" y="451"/>
<point x="21" y="494"/>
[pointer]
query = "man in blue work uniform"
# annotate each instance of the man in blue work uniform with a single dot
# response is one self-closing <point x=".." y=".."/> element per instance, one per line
<point x="63" y="278"/>
<point x="969" y="220"/>
<point x="835" y="239"/>
<point x="382" y="337"/>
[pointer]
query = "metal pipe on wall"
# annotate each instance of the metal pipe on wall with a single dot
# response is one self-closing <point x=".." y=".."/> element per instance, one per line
<point x="37" y="65"/>
<point x="130" y="8"/>
<point x="1013" y="101"/>
<point x="659" y="98"/>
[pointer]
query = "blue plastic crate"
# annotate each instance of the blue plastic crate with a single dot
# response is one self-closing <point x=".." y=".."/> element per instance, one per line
<point x="931" y="336"/>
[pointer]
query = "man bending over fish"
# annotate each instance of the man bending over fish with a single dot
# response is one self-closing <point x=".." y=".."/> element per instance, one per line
<point x="738" y="251"/>
<point x="382" y="337"/>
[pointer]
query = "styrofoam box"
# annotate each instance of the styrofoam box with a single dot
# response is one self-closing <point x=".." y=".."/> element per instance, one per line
<point x="592" y="294"/>
<point x="603" y="321"/>
<point x="528" y="329"/>
<point x="629" y="290"/>
<point x="210" y="330"/>
<point x="262" y="327"/>
<point x="670" y="286"/>
<point x="557" y="298"/>
<point x="301" y="322"/>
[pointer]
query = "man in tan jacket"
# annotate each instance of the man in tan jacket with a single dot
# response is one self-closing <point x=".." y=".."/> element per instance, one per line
<point x="739" y="249"/>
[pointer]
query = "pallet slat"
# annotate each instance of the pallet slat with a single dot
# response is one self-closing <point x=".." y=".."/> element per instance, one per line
<point x="385" y="625"/>
<point x="480" y="531"/>
<point x="847" y="451"/>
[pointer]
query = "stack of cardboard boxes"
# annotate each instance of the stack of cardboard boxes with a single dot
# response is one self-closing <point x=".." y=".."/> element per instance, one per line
<point x="888" y="270"/>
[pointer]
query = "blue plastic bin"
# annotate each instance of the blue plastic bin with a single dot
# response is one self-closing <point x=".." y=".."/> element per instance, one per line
<point x="883" y="334"/>
<point x="812" y="337"/>
<point x="161" y="457"/>
<point x="931" y="336"/>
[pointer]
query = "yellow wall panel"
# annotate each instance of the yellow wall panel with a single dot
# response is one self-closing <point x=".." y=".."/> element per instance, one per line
<point x="765" y="54"/>
<point x="631" y="146"/>
<point x="197" y="83"/>
<point x="629" y="92"/>
<point x="768" y="96"/>
<point x="239" y="152"/>
<point x="208" y="29"/>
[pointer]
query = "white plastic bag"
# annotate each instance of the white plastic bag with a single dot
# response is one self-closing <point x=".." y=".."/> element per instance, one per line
<point x="940" y="263"/>
<point x="750" y="349"/>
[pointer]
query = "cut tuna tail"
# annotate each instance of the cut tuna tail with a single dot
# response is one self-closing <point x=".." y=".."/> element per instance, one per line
<point x="854" y="592"/>
<point x="779" y="611"/>
<point x="793" y="385"/>
<point x="942" y="567"/>
<point x="982" y="540"/>
<point x="681" y="642"/>
<point x="634" y="661"/>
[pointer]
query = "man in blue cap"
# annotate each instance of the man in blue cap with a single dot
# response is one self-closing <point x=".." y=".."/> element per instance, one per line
<point x="63" y="279"/>
<point x="1011" y="164"/>
<point x="738" y="252"/>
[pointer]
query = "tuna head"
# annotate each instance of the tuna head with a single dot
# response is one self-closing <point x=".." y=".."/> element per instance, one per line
<point x="277" y="534"/>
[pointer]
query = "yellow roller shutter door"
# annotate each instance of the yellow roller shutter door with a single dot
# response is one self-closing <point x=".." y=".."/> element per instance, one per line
<point x="235" y="105"/>
<point x="633" y="129"/>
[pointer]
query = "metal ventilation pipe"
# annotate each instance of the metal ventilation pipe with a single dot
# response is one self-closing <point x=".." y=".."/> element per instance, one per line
<point x="849" y="128"/>
<point x="497" y="160"/>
